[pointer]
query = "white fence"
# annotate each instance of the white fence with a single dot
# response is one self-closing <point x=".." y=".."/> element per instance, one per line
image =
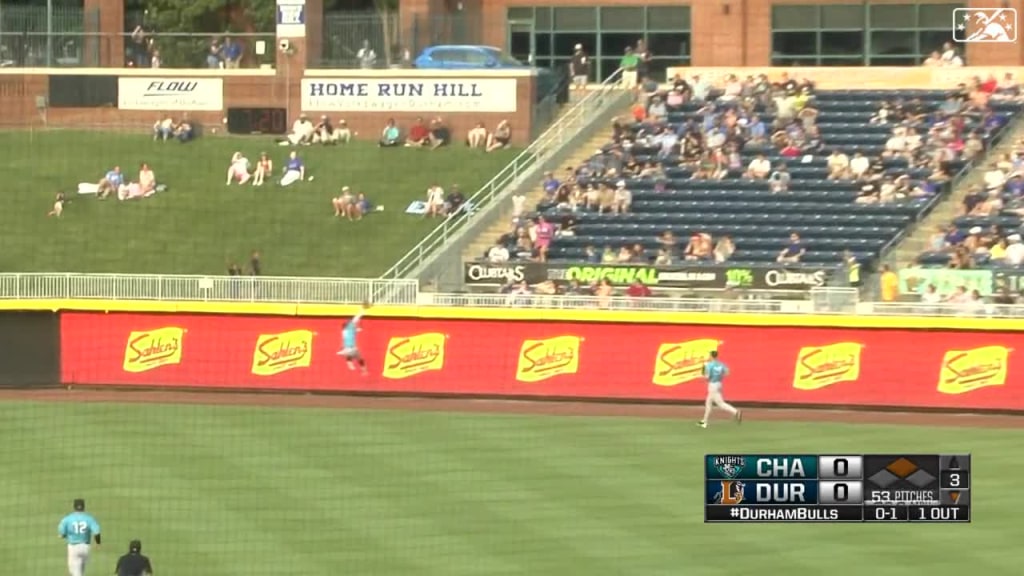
<point x="206" y="288"/>
<point x="241" y="289"/>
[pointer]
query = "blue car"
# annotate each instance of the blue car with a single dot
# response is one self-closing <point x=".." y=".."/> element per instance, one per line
<point x="466" y="58"/>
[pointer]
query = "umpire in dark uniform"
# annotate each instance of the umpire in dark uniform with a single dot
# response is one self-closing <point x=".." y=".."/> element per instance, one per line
<point x="134" y="563"/>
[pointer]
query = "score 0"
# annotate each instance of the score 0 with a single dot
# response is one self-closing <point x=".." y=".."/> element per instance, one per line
<point x="840" y="479"/>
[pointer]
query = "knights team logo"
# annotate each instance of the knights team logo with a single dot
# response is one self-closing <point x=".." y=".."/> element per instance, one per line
<point x="731" y="494"/>
<point x="730" y="466"/>
<point x="985" y="25"/>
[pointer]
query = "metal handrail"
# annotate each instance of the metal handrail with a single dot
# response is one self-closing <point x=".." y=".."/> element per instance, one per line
<point x="503" y="182"/>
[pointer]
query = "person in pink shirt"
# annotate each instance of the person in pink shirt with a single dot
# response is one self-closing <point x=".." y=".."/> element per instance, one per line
<point x="545" y="234"/>
<point x="143" y="188"/>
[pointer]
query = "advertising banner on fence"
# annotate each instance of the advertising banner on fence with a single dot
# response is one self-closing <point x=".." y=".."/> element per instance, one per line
<point x="789" y="365"/>
<point x="422" y="95"/>
<point x="700" y="277"/>
<point x="945" y="280"/>
<point x="291" y="18"/>
<point x="171" y="94"/>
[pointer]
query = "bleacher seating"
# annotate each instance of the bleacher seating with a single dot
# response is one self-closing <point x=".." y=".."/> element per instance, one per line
<point x="823" y="212"/>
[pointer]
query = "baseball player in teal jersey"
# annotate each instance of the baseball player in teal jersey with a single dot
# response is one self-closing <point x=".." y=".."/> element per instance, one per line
<point x="715" y="372"/>
<point x="349" y="346"/>
<point x="79" y="529"/>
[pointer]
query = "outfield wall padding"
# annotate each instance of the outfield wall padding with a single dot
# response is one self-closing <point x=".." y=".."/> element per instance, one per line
<point x="29" y="349"/>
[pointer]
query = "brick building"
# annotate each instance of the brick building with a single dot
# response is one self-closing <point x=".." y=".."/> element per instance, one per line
<point x="714" y="32"/>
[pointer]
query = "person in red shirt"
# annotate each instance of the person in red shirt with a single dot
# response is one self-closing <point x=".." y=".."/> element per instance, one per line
<point x="638" y="290"/>
<point x="419" y="134"/>
<point x="990" y="85"/>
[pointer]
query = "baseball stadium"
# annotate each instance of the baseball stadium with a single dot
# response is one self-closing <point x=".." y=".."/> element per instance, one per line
<point x="502" y="287"/>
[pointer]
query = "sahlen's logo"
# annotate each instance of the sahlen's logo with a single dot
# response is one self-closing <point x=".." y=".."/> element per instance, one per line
<point x="276" y="353"/>
<point x="990" y="25"/>
<point x="411" y="355"/>
<point x="967" y="370"/>
<point x="151" y="349"/>
<point x="822" y="366"/>
<point x="543" y="359"/>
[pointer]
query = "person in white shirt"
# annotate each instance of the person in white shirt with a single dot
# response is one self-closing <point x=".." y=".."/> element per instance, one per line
<point x="518" y="207"/>
<point x="838" y="165"/>
<point x="859" y="165"/>
<point x="931" y="295"/>
<point x="896" y="144"/>
<point x="366" y="56"/>
<point x="477" y="136"/>
<point x="759" y="168"/>
<point x="239" y="169"/>
<point x="733" y="89"/>
<point x="950" y="57"/>
<point x="435" y="201"/>
<point x="302" y="131"/>
<point x="1015" y="250"/>
<point x="623" y="198"/>
<point x="498" y="254"/>
<point x="995" y="178"/>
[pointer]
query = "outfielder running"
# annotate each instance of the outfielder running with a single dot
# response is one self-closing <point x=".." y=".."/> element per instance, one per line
<point x="349" y="346"/>
<point x="79" y="529"/>
<point x="715" y="371"/>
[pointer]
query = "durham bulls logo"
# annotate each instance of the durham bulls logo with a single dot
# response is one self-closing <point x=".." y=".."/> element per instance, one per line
<point x="731" y="494"/>
<point x="730" y="466"/>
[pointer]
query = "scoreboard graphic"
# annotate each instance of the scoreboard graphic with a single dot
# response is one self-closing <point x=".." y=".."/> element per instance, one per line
<point x="845" y="488"/>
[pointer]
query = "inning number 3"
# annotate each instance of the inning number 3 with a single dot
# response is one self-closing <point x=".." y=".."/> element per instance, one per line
<point x="954" y="480"/>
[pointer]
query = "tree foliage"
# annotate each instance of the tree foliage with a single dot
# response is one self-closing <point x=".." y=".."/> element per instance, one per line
<point x="183" y="29"/>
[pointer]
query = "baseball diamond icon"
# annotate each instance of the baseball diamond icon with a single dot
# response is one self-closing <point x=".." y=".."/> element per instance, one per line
<point x="902" y="469"/>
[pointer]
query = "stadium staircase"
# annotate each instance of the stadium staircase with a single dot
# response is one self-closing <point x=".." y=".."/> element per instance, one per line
<point x="479" y="246"/>
<point x="906" y="252"/>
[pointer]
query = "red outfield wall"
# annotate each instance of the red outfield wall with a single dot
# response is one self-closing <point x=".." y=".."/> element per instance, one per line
<point x="787" y="365"/>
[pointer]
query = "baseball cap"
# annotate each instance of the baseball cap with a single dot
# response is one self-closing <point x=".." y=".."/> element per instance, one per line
<point x="79" y="504"/>
<point x="135" y="546"/>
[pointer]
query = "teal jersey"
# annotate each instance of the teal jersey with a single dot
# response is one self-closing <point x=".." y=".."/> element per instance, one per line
<point x="351" y="328"/>
<point x="715" y="371"/>
<point x="79" y="528"/>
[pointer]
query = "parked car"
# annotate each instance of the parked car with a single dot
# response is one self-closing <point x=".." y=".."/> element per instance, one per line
<point x="472" y="57"/>
<point x="466" y="57"/>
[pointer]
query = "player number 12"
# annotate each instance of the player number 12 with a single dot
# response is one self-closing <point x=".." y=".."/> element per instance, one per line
<point x="79" y="527"/>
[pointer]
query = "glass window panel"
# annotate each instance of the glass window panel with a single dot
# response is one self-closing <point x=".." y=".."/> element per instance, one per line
<point x="931" y="40"/>
<point x="893" y="16"/>
<point x="605" y="68"/>
<point x="794" y="17"/>
<point x="842" y="43"/>
<point x="575" y="19"/>
<point x="668" y="18"/>
<point x="542" y="18"/>
<point x="788" y="61"/>
<point x="660" y="66"/>
<point x="544" y="42"/>
<point x="936" y="15"/>
<point x="520" y="14"/>
<point x="893" y="43"/>
<point x="795" y="43"/>
<point x="895" y="61"/>
<point x="848" y="61"/>
<point x="544" y="62"/>
<point x="622" y="18"/>
<point x="842" y="16"/>
<point x="669" y="44"/>
<point x="519" y="45"/>
<point x="613" y="45"/>
<point x="564" y="44"/>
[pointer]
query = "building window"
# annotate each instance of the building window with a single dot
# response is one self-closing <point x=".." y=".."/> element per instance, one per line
<point x="859" y="34"/>
<point x="604" y="31"/>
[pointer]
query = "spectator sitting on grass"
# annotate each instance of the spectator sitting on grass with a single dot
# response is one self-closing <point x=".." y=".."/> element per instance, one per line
<point x="343" y="133"/>
<point x="143" y="188"/>
<point x="111" y="182"/>
<point x="390" y="136"/>
<point x="324" y="132"/>
<point x="477" y="137"/>
<point x="294" y="170"/>
<point x="58" y="205"/>
<point x="439" y="134"/>
<point x="435" y="202"/>
<point x="238" y="169"/>
<point x="163" y="129"/>
<point x="344" y="204"/>
<point x="302" y="133"/>
<point x="501" y="137"/>
<point x="184" y="131"/>
<point x="264" y="168"/>
<point x="419" y="134"/>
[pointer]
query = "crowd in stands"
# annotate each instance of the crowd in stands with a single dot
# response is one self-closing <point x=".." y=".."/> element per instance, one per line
<point x="727" y="138"/>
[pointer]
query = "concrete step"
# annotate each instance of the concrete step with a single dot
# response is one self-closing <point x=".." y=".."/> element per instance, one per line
<point x="503" y="225"/>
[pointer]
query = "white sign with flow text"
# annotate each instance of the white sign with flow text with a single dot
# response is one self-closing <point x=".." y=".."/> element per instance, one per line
<point x="171" y="94"/>
<point x="408" y="95"/>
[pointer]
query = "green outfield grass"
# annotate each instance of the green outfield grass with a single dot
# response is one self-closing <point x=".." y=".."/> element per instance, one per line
<point x="223" y="491"/>
<point x="199" y="225"/>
